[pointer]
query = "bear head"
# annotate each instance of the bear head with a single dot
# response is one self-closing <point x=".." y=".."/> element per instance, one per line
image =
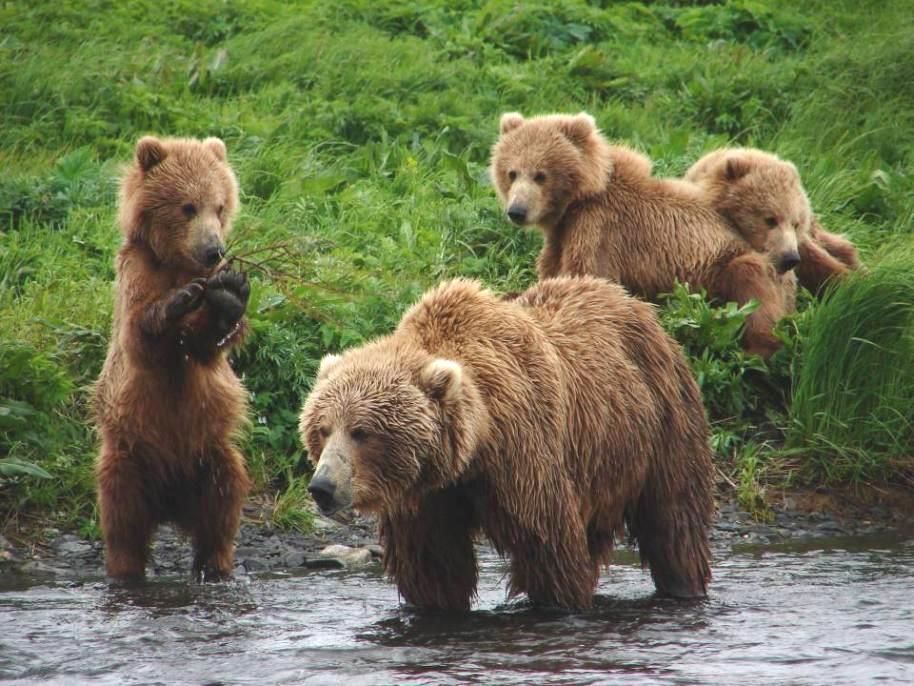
<point x="179" y="198"/>
<point x="541" y="165"/>
<point x="763" y="197"/>
<point x="385" y="424"/>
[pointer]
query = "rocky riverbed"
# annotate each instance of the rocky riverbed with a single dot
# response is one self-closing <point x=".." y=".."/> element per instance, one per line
<point x="353" y="541"/>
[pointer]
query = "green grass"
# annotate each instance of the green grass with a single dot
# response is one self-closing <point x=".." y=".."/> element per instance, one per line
<point x="360" y="132"/>
<point x="853" y="409"/>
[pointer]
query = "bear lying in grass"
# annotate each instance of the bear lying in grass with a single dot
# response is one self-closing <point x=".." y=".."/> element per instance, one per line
<point x="763" y="197"/>
<point x="168" y="404"/>
<point x="603" y="214"/>
<point x="548" y="423"/>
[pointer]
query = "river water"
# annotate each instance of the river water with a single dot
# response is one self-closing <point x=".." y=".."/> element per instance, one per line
<point x="822" y="611"/>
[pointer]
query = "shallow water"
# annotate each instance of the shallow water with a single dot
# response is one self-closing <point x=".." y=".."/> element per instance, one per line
<point x="838" y="611"/>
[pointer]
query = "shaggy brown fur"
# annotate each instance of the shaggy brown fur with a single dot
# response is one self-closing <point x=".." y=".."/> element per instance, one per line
<point x="167" y="402"/>
<point x="602" y="213"/>
<point x="763" y="197"/>
<point x="548" y="423"/>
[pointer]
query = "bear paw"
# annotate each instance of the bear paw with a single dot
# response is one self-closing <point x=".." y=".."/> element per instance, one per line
<point x="227" y="295"/>
<point x="186" y="299"/>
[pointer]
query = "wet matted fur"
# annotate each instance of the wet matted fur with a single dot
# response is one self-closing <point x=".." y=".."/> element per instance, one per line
<point x="168" y="404"/>
<point x="549" y="423"/>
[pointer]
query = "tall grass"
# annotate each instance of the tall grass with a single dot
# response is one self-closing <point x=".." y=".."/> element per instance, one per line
<point x="360" y="132"/>
<point x="853" y="408"/>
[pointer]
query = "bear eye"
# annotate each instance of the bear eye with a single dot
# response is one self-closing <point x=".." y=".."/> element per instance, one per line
<point x="771" y="222"/>
<point x="323" y="430"/>
<point x="220" y="210"/>
<point x="189" y="210"/>
<point x="512" y="175"/>
<point x="358" y="434"/>
<point x="540" y="177"/>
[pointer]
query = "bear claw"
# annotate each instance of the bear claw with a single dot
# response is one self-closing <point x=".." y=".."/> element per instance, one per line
<point x="186" y="300"/>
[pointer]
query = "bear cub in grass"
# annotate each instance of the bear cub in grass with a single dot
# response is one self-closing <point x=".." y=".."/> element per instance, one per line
<point x="763" y="197"/>
<point x="602" y="213"/>
<point x="168" y="404"/>
<point x="549" y="423"/>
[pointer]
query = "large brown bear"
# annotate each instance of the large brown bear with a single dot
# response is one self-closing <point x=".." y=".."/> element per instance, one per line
<point x="763" y="197"/>
<point x="602" y="213"/>
<point x="547" y="423"/>
<point x="168" y="404"/>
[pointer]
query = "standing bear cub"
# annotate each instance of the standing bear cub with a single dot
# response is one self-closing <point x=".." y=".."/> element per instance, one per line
<point x="549" y="423"/>
<point x="602" y="213"/>
<point x="167" y="402"/>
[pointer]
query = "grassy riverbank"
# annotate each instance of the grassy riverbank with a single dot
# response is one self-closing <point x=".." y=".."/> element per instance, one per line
<point x="360" y="132"/>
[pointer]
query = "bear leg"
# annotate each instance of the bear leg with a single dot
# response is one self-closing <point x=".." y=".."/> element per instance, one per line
<point x="215" y="517"/>
<point x="672" y="540"/>
<point x="747" y="277"/>
<point x="552" y="563"/>
<point x="127" y="520"/>
<point x="559" y="572"/>
<point x="429" y="552"/>
<point x="837" y="246"/>
<point x="817" y="267"/>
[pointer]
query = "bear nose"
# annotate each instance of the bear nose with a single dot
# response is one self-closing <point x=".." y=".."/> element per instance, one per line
<point x="788" y="262"/>
<point x="517" y="214"/>
<point x="321" y="489"/>
<point x="214" y="254"/>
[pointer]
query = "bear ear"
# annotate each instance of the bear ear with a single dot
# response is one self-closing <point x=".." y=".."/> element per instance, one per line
<point x="736" y="167"/>
<point x="441" y="379"/>
<point x="217" y="147"/>
<point x="149" y="152"/>
<point x="511" y="121"/>
<point x="327" y="365"/>
<point x="578" y="128"/>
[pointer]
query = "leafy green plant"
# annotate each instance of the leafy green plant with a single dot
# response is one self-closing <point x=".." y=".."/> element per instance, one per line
<point x="710" y="337"/>
<point x="13" y="466"/>
<point x="745" y="21"/>
<point x="76" y="180"/>
<point x="31" y="385"/>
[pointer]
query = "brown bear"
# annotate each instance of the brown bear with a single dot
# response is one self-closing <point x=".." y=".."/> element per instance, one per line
<point x="548" y="423"/>
<point x="168" y="404"/>
<point x="602" y="213"/>
<point x="763" y="197"/>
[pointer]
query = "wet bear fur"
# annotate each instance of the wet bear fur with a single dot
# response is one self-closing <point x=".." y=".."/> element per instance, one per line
<point x="168" y="404"/>
<point x="551" y="423"/>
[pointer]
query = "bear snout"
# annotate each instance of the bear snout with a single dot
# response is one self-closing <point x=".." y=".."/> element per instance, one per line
<point x="788" y="261"/>
<point x="214" y="255"/>
<point x="210" y="252"/>
<point x="322" y="489"/>
<point x="517" y="213"/>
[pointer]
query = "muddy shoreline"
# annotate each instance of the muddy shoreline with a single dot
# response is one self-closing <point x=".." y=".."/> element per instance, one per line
<point x="262" y="548"/>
